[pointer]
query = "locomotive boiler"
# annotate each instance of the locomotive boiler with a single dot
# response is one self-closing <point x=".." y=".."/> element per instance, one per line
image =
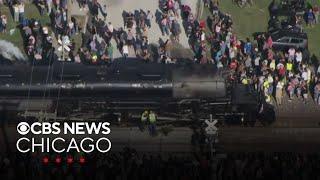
<point x="176" y="90"/>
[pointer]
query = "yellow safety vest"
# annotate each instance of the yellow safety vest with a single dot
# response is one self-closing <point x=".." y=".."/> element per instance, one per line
<point x="273" y="65"/>
<point x="94" y="58"/>
<point x="289" y="66"/>
<point x="152" y="118"/>
<point x="244" y="81"/>
<point x="266" y="84"/>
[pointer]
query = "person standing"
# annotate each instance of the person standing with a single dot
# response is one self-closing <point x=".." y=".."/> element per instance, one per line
<point x="49" y="6"/>
<point x="290" y="89"/>
<point x="165" y="26"/>
<point x="16" y="13"/>
<point x="304" y="91"/>
<point x="125" y="51"/>
<point x="130" y="38"/>
<point x="3" y="23"/>
<point x="270" y="80"/>
<point x="289" y="66"/>
<point x="95" y="9"/>
<point x="110" y="51"/>
<point x="310" y="17"/>
<point x="143" y="120"/>
<point x="103" y="11"/>
<point x="21" y="12"/>
<point x="176" y="30"/>
<point x="316" y="11"/>
<point x="176" y="8"/>
<point x="152" y="125"/>
<point x="248" y="47"/>
<point x="82" y="4"/>
<point x="279" y="91"/>
<point x="266" y="87"/>
<point x="317" y="93"/>
<point x="149" y="18"/>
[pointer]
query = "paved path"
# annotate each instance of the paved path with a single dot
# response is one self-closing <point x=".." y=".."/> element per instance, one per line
<point x="116" y="7"/>
<point x="296" y="112"/>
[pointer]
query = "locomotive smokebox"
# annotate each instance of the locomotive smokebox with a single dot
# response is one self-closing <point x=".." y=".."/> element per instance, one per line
<point x="199" y="82"/>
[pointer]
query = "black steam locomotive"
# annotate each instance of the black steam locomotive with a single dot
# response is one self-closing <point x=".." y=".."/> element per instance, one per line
<point x="177" y="90"/>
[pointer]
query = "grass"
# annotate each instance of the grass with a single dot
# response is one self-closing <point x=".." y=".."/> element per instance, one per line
<point x="15" y="38"/>
<point x="252" y="19"/>
<point x="31" y="11"/>
<point x="247" y="20"/>
<point x="314" y="40"/>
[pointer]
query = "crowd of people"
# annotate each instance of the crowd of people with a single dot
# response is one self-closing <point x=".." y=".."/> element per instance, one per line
<point x="256" y="63"/>
<point x="96" y="46"/>
<point x="130" y="164"/>
<point x="133" y="38"/>
<point x="37" y="40"/>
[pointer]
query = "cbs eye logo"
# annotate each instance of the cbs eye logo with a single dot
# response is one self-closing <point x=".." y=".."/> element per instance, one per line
<point x="23" y="128"/>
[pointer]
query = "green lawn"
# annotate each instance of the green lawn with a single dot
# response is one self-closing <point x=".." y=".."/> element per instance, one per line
<point x="15" y="38"/>
<point x="31" y="11"/>
<point x="255" y="19"/>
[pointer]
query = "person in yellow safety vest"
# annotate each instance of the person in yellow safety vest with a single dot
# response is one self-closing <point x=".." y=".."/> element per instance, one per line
<point x="144" y="116"/>
<point x="152" y="125"/>
<point x="272" y="65"/>
<point x="266" y="86"/>
<point x="143" y="120"/>
<point x="289" y="66"/>
<point x="245" y="81"/>
<point x="152" y="117"/>
<point x="94" y="59"/>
